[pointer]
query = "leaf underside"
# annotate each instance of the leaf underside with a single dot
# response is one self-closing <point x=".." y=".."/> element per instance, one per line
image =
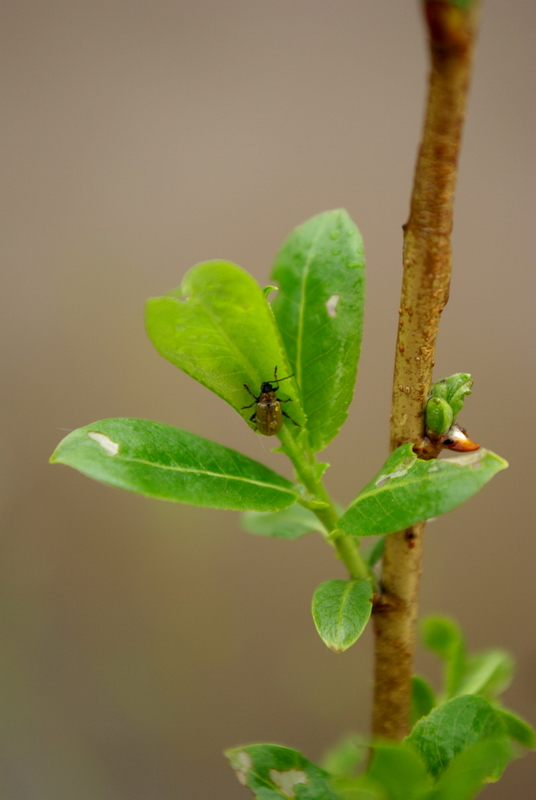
<point x="341" y="609"/>
<point x="290" y="523"/>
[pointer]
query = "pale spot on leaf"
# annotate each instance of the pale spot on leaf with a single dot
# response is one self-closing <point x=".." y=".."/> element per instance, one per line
<point x="331" y="305"/>
<point x="286" y="781"/>
<point x="109" y="447"/>
<point x="242" y="764"/>
<point x="473" y="459"/>
<point x="399" y="472"/>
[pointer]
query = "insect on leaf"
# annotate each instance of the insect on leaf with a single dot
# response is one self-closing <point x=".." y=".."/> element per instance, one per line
<point x="319" y="310"/>
<point x="219" y="328"/>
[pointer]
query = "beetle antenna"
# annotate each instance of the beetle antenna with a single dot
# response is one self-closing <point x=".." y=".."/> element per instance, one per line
<point x="285" y="379"/>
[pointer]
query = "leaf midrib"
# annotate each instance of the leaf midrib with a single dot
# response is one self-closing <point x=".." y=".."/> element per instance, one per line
<point x="129" y="460"/>
<point x="344" y="599"/>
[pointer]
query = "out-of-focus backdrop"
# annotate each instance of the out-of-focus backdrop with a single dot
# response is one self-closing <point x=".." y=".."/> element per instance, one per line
<point x="138" y="639"/>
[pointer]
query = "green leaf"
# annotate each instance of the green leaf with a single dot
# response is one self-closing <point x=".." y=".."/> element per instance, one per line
<point x="219" y="328"/>
<point x="443" y="636"/>
<point x="319" y="311"/>
<point x="453" y="390"/>
<point x="290" y="523"/>
<point x="518" y="728"/>
<point x="156" y="460"/>
<point x="360" y="788"/>
<point x="457" y="399"/>
<point x="408" y="490"/>
<point x="423" y="699"/>
<point x="344" y="757"/>
<point x="273" y="772"/>
<point x="468" y="772"/>
<point x="453" y="728"/>
<point x="341" y="609"/>
<point x="488" y="673"/>
<point x="399" y="771"/>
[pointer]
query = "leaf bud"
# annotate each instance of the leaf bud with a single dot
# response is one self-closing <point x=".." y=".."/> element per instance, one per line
<point x="439" y="416"/>
<point x="453" y="389"/>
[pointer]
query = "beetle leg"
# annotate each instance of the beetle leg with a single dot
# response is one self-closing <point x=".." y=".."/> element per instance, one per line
<point x="290" y="418"/>
<point x="253" y="416"/>
<point x="246" y="387"/>
<point x="251" y="404"/>
<point x="288" y="400"/>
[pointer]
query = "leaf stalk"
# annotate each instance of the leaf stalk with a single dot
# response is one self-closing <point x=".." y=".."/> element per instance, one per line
<point x="307" y="471"/>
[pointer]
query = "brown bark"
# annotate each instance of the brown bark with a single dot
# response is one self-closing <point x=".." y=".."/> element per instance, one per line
<point x="425" y="290"/>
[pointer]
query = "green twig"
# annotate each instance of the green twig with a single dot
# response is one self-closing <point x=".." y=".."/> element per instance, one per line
<point x="307" y="471"/>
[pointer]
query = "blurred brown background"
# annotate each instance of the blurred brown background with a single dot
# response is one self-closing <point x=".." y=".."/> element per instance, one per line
<point x="139" y="639"/>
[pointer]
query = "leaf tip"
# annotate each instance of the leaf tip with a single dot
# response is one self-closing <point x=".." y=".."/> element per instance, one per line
<point x="336" y="648"/>
<point x="268" y="290"/>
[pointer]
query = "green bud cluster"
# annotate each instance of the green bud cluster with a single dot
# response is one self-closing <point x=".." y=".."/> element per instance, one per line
<point x="446" y="401"/>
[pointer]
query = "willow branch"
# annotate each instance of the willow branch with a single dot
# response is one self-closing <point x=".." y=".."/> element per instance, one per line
<point x="427" y="259"/>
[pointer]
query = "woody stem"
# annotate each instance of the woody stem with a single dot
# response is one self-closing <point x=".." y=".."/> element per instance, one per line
<point x="425" y="287"/>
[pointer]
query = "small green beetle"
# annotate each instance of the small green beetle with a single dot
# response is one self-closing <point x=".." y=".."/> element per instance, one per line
<point x="268" y="414"/>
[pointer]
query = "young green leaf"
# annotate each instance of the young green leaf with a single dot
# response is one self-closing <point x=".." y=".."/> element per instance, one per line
<point x="488" y="673"/>
<point x="290" y="523"/>
<point x="453" y="390"/>
<point x="468" y="772"/>
<point x="518" y="728"/>
<point x="273" y="772"/>
<point x="319" y="311"/>
<point x="453" y="728"/>
<point x="160" y="461"/>
<point x="219" y="328"/>
<point x="399" y="771"/>
<point x="361" y="788"/>
<point x="409" y="490"/>
<point x="341" y="609"/>
<point x="344" y="757"/>
<point x="423" y="699"/>
<point x="443" y="636"/>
